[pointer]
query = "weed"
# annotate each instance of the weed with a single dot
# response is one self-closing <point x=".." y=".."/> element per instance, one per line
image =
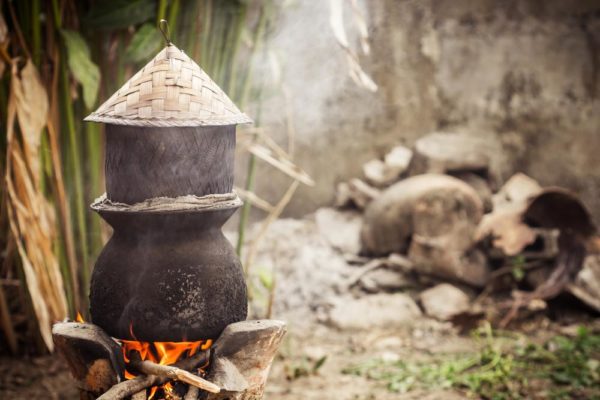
<point x="562" y="368"/>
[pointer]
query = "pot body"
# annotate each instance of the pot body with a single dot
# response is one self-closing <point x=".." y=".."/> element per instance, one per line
<point x="148" y="162"/>
<point x="167" y="277"/>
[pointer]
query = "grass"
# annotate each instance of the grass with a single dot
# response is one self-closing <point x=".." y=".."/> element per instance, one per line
<point x="561" y="368"/>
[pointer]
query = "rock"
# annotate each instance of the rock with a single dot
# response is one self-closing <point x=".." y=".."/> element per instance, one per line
<point x="442" y="203"/>
<point x="385" y="279"/>
<point x="444" y="301"/>
<point x="586" y="286"/>
<point x="480" y="185"/>
<point x="517" y="189"/>
<point x="504" y="225"/>
<point x="375" y="311"/>
<point x="398" y="159"/>
<point x="523" y="206"/>
<point x="450" y="152"/>
<point x="433" y="218"/>
<point x="383" y="173"/>
<point x="354" y="193"/>
<point x="340" y="228"/>
<point x="508" y="233"/>
<point x="439" y="258"/>
<point x="376" y="174"/>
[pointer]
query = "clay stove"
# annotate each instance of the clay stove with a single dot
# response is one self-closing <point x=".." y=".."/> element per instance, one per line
<point x="168" y="284"/>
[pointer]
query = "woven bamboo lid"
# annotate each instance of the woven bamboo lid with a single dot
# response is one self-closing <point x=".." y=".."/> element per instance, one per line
<point x="171" y="90"/>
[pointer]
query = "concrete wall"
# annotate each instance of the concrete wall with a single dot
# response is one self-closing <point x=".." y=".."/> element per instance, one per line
<point x="524" y="74"/>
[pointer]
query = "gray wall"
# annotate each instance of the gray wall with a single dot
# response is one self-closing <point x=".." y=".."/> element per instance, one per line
<point x="524" y="74"/>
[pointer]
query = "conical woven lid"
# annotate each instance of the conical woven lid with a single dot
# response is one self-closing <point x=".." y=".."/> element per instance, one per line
<point x="171" y="90"/>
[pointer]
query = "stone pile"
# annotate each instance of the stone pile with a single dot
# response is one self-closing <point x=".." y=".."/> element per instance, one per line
<point x="440" y="208"/>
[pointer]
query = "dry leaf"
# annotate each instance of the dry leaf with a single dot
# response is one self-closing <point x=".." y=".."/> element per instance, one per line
<point x="32" y="112"/>
<point x="281" y="163"/>
<point x="254" y="199"/>
<point x="31" y="217"/>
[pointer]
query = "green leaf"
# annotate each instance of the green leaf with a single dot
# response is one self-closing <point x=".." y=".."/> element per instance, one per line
<point x="81" y="66"/>
<point x="144" y="43"/>
<point x="318" y="364"/>
<point x="518" y="273"/>
<point x="118" y="14"/>
<point x="266" y="278"/>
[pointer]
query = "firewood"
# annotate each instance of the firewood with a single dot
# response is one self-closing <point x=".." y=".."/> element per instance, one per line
<point x="192" y="393"/>
<point x="141" y="395"/>
<point x="172" y="372"/>
<point x="128" y="388"/>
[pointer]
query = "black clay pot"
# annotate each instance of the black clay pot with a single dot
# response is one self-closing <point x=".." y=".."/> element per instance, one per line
<point x="167" y="276"/>
<point x="148" y="162"/>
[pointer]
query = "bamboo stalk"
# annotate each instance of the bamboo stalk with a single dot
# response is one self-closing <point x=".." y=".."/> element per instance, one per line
<point x="162" y="10"/>
<point x="60" y="197"/>
<point x="233" y="65"/>
<point x="75" y="169"/>
<point x="245" y="213"/>
<point x="173" y="13"/>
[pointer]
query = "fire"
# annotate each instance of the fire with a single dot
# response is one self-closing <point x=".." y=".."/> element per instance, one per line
<point x="163" y="353"/>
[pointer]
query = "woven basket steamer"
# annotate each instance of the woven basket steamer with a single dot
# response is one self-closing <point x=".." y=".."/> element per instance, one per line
<point x="171" y="90"/>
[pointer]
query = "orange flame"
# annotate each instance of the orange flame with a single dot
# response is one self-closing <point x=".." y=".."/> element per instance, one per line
<point x="79" y="318"/>
<point x="163" y="353"/>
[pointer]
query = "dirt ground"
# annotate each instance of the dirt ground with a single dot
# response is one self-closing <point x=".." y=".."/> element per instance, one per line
<point x="293" y="376"/>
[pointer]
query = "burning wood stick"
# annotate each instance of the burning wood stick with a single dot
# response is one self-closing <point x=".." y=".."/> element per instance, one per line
<point x="172" y="372"/>
<point x="192" y="393"/>
<point x="141" y="395"/>
<point x="128" y="388"/>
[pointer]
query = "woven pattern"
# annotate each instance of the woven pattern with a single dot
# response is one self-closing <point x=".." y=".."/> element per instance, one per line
<point x="171" y="90"/>
<point x="145" y="162"/>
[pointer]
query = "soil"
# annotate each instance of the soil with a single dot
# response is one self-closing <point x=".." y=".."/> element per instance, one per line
<point x="291" y="376"/>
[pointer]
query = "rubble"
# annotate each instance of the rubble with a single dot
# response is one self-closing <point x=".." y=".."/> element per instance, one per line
<point x="383" y="173"/>
<point x="517" y="189"/>
<point x="384" y="280"/>
<point x="432" y="226"/>
<point x="307" y="270"/>
<point x="398" y="159"/>
<point x="444" y="301"/>
<point x="341" y="228"/>
<point x="377" y="174"/>
<point x="374" y="311"/>
<point x="508" y="233"/>
<point x="430" y="205"/>
<point x="505" y="225"/>
<point x="450" y="152"/>
<point x="586" y="285"/>
<point x="480" y="185"/>
<point x="433" y="219"/>
<point x="355" y="193"/>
